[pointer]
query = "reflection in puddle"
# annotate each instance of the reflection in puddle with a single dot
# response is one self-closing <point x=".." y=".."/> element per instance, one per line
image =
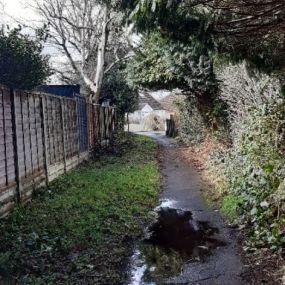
<point x="166" y="203"/>
<point x="173" y="240"/>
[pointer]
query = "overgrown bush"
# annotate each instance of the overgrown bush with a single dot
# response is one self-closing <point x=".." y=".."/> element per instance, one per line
<point x="254" y="172"/>
<point x="22" y="64"/>
<point x="191" y="125"/>
<point x="244" y="89"/>
<point x="200" y="117"/>
<point x="116" y="89"/>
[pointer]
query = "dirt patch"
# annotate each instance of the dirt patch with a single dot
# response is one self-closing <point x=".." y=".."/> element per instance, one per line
<point x="198" y="155"/>
<point x="264" y="267"/>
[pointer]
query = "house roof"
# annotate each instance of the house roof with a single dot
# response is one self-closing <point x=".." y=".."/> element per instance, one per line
<point x="145" y="98"/>
<point x="169" y="102"/>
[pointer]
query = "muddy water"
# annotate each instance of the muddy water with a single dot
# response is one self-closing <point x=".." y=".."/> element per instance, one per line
<point x="173" y="240"/>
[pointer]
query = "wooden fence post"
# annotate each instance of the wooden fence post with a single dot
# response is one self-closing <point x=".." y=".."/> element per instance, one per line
<point x="63" y="133"/>
<point x="44" y="138"/>
<point x="15" y="146"/>
<point x="105" y="125"/>
<point x="167" y="127"/>
<point x="114" y="121"/>
<point x="77" y="126"/>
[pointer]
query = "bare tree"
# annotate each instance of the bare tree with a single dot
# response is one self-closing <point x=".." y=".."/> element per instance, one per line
<point x="84" y="31"/>
<point x="254" y="17"/>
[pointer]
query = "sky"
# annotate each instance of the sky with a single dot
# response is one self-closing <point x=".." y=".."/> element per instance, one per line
<point x="18" y="10"/>
<point x="21" y="11"/>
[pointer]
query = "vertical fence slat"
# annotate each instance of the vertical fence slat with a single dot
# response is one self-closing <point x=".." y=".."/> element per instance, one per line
<point x="15" y="145"/>
<point x="4" y="137"/>
<point x="36" y="131"/>
<point x="48" y="129"/>
<point x="63" y="132"/>
<point x="44" y="137"/>
<point x="53" y="129"/>
<point x="23" y="134"/>
<point x="77" y="127"/>
<point x="30" y="134"/>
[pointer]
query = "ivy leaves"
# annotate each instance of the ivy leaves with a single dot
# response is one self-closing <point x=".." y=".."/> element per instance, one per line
<point x="254" y="171"/>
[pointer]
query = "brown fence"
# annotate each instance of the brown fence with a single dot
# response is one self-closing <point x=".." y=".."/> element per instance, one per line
<point x="101" y="125"/>
<point x="171" y="130"/>
<point x="40" y="139"/>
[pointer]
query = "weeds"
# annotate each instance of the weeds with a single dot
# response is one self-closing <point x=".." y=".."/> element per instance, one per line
<point x="81" y="229"/>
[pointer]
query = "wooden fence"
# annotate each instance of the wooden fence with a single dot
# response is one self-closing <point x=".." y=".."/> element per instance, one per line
<point x="171" y="130"/>
<point x="40" y="137"/>
<point x="101" y="125"/>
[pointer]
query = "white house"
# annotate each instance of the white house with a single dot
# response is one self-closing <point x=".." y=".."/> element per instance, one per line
<point x="151" y="114"/>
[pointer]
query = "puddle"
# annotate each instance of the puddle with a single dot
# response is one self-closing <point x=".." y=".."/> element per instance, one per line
<point x="172" y="241"/>
<point x="166" y="203"/>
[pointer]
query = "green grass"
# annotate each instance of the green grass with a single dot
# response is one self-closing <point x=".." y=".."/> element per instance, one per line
<point x="230" y="207"/>
<point x="81" y="231"/>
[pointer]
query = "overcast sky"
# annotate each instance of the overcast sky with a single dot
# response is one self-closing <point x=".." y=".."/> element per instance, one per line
<point x="21" y="11"/>
<point x="18" y="10"/>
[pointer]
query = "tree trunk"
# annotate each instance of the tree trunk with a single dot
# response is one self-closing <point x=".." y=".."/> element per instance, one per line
<point x="101" y="58"/>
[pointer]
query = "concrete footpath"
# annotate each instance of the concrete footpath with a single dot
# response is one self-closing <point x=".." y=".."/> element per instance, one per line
<point x="217" y="259"/>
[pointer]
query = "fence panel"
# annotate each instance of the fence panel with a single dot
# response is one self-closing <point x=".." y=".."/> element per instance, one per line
<point x="28" y="148"/>
<point x="7" y="166"/>
<point x="54" y="130"/>
<point x="82" y="122"/>
<point x="101" y="125"/>
<point x="42" y="136"/>
<point x="91" y="126"/>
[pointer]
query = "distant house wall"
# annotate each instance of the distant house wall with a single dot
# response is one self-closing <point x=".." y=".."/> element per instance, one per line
<point x="139" y="115"/>
<point x="142" y="121"/>
<point x="149" y="116"/>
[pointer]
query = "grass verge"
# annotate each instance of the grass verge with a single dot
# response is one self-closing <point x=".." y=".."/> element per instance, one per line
<point x="81" y="230"/>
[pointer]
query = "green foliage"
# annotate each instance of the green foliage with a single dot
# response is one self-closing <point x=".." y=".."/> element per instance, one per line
<point x="223" y="31"/>
<point x="283" y="90"/>
<point x="178" y="53"/>
<point x="116" y="88"/>
<point x="165" y="63"/>
<point x="85" y="223"/>
<point x="254" y="171"/>
<point x="200" y="117"/>
<point x="230" y="207"/>
<point x="22" y="64"/>
<point x="192" y="129"/>
<point x="175" y="19"/>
